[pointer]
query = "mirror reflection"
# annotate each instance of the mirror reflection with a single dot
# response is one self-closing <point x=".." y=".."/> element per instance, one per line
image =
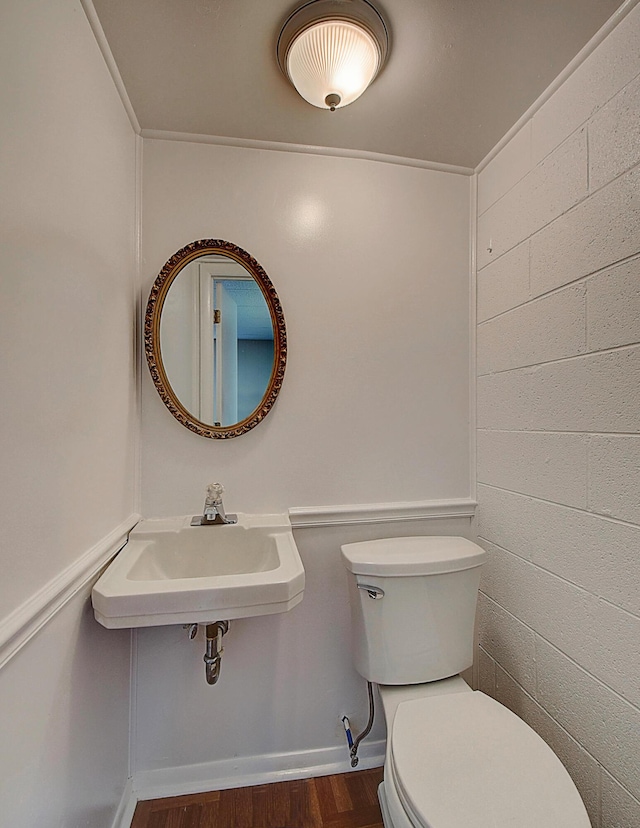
<point x="215" y="339"/>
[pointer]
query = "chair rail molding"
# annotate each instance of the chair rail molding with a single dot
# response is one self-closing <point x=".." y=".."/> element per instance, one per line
<point x="29" y="618"/>
<point x="303" y="517"/>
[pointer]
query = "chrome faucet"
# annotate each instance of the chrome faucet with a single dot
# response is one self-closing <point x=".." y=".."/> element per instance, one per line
<point x="213" y="513"/>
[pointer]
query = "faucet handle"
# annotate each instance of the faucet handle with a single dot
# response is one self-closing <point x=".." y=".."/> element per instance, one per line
<point x="215" y="491"/>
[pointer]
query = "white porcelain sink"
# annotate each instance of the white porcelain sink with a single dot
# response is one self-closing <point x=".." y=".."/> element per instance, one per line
<point x="170" y="572"/>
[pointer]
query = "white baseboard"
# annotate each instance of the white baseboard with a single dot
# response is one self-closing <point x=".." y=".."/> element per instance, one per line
<point x="252" y="770"/>
<point x="126" y="808"/>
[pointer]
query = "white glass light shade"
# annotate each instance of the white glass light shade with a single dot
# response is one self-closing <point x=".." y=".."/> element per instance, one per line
<point x="332" y="58"/>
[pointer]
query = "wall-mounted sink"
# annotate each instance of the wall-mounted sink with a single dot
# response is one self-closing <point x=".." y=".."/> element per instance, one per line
<point x="170" y="572"/>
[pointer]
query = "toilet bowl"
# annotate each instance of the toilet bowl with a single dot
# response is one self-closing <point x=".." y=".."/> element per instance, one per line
<point x="455" y="757"/>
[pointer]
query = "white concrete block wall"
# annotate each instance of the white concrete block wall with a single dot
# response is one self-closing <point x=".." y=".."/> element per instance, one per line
<point x="558" y="410"/>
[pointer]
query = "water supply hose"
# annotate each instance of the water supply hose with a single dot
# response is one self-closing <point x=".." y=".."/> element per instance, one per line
<point x="355" y="745"/>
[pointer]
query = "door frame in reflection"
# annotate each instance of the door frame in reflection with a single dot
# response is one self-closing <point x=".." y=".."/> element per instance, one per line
<point x="220" y="326"/>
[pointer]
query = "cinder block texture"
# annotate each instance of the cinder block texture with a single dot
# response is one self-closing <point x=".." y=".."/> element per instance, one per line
<point x="614" y="476"/>
<point x="558" y="413"/>
<point x="541" y="331"/>
<point x="546" y="192"/>
<point x="606" y="725"/>
<point x="619" y="808"/>
<point x="548" y="466"/>
<point x="503" y="284"/>
<point x="613" y="305"/>
<point x="584" y="770"/>
<point x="607" y="70"/>
<point x="595" y="392"/>
<point x="590" y="551"/>
<point x="614" y="137"/>
<point x="507" y="641"/>
<point x="598" y="232"/>
<point x="511" y="164"/>
<point x="486" y="673"/>
<point x="592" y="632"/>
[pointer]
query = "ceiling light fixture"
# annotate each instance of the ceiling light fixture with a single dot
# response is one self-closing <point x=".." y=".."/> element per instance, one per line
<point x="331" y="50"/>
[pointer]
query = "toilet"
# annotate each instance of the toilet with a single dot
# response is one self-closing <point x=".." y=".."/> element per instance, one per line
<point x="455" y="757"/>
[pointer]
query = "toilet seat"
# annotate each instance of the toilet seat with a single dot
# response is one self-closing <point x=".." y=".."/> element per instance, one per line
<point x="464" y="759"/>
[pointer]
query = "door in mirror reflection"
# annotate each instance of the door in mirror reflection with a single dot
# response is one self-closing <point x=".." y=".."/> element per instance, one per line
<point x="217" y="340"/>
<point x="242" y="348"/>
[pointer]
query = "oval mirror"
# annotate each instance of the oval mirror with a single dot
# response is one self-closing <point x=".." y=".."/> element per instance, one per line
<point x="215" y="339"/>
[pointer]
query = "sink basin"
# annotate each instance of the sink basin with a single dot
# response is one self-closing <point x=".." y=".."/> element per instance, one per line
<point x="170" y="572"/>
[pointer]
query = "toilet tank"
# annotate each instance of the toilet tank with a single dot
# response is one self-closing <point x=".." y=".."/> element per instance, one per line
<point x="413" y="603"/>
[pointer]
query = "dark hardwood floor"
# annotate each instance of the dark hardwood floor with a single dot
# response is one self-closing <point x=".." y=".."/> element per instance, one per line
<point x="346" y="800"/>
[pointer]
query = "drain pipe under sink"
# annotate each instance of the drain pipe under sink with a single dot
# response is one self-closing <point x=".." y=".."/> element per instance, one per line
<point x="213" y="655"/>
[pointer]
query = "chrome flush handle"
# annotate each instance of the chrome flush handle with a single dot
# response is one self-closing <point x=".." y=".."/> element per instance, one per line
<point x="372" y="591"/>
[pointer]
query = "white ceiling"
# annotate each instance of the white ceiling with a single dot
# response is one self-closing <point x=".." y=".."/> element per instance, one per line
<point x="460" y="72"/>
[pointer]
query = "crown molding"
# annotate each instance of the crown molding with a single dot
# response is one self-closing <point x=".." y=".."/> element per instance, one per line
<point x="107" y="54"/>
<point x="616" y="18"/>
<point x="305" y="149"/>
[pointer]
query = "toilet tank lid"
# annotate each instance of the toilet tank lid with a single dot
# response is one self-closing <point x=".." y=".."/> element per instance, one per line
<point x="424" y="555"/>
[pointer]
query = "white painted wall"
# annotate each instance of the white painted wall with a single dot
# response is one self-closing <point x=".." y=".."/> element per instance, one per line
<point x="68" y="227"/>
<point x="64" y="699"/>
<point x="558" y="421"/>
<point x="179" y="337"/>
<point x="371" y="264"/>
<point x="67" y="224"/>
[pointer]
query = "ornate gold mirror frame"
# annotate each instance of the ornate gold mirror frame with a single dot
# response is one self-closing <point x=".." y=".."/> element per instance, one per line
<point x="165" y="279"/>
